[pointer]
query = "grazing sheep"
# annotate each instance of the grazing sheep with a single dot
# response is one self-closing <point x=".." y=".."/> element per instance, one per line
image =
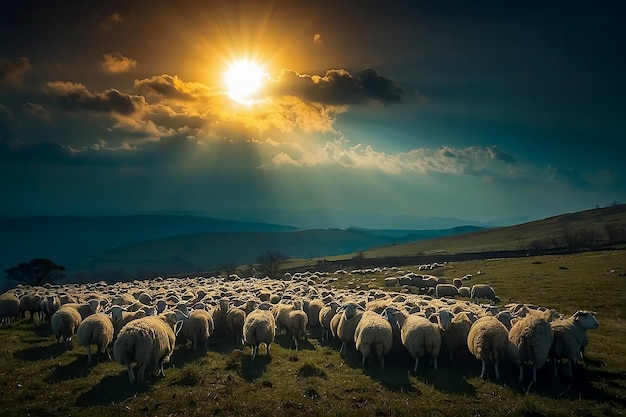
<point x="488" y="341"/>
<point x="96" y="329"/>
<point x="421" y="338"/>
<point x="457" y="282"/>
<point x="49" y="306"/>
<point x="465" y="292"/>
<point x="149" y="341"/>
<point x="373" y="335"/>
<point x="346" y="327"/>
<point x="9" y="308"/>
<point x="446" y="290"/>
<point x="64" y="324"/>
<point x="334" y="324"/>
<point x="326" y="316"/>
<point x="569" y="336"/>
<point x="259" y="327"/>
<point x="454" y="338"/>
<point x="297" y="321"/>
<point x="197" y="327"/>
<point x="531" y="338"/>
<point x="483" y="291"/>
<point x="235" y="318"/>
<point x="30" y="303"/>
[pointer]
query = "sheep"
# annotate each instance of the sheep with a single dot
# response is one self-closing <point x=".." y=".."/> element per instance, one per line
<point x="483" y="291"/>
<point x="296" y="322"/>
<point x="49" y="306"/>
<point x="96" y="329"/>
<point x="121" y="318"/>
<point x="9" y="308"/>
<point x="348" y="321"/>
<point x="147" y="341"/>
<point x="334" y="324"/>
<point x="198" y="326"/>
<point x="446" y="290"/>
<point x="85" y="310"/>
<point x="30" y="303"/>
<point x="465" y="292"/>
<point x="312" y="310"/>
<point x="374" y="335"/>
<point x="488" y="341"/>
<point x="457" y="282"/>
<point x="531" y="338"/>
<point x="421" y="338"/>
<point x="326" y="315"/>
<point x="235" y="318"/>
<point x="569" y="336"/>
<point x="454" y="339"/>
<point x="65" y="322"/>
<point x="259" y="327"/>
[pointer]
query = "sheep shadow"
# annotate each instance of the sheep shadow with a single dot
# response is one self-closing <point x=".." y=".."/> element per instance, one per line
<point x="252" y="370"/>
<point x="111" y="389"/>
<point x="286" y="342"/>
<point x="78" y="368"/>
<point x="38" y="353"/>
<point x="394" y="379"/>
<point x="185" y="354"/>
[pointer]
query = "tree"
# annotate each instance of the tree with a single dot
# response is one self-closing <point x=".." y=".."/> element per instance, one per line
<point x="38" y="271"/>
<point x="270" y="262"/>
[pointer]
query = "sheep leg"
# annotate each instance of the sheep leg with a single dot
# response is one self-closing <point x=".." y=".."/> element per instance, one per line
<point x="295" y="339"/>
<point x="343" y="347"/>
<point x="254" y="349"/>
<point x="267" y="349"/>
<point x="521" y="373"/>
<point x="417" y="360"/>
<point x="482" y="371"/>
<point x="554" y="368"/>
<point x="534" y="374"/>
<point x="497" y="369"/>
<point x="435" y="363"/>
<point x="131" y="374"/>
<point x="568" y="369"/>
<point x="382" y="362"/>
<point x="89" y="353"/>
<point x="363" y="361"/>
<point x="141" y="373"/>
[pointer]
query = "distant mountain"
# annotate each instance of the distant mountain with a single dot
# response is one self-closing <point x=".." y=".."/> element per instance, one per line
<point x="66" y="239"/>
<point x="209" y="251"/>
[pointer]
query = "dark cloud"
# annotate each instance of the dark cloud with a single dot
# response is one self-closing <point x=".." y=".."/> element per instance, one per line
<point x="339" y="87"/>
<point x="168" y="87"/>
<point x="12" y="72"/>
<point x="72" y="96"/>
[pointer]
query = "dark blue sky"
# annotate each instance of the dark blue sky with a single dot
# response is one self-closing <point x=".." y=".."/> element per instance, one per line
<point x="375" y="111"/>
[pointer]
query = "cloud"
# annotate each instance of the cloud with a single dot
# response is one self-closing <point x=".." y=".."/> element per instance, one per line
<point x="340" y="87"/>
<point x="12" y="72"/>
<point x="111" y="21"/>
<point x="485" y="162"/>
<point x="38" y="111"/>
<point x="160" y="87"/>
<point x="117" y="63"/>
<point x="74" y="96"/>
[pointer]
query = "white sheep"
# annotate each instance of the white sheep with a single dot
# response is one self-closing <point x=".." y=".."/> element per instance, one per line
<point x="373" y="335"/>
<point x="96" y="329"/>
<point x="488" y="341"/>
<point x="312" y="309"/>
<point x="531" y="338"/>
<point x="9" y="307"/>
<point x="325" y="317"/>
<point x="85" y="309"/>
<point x="348" y="321"/>
<point x="197" y="327"/>
<point x="483" y="291"/>
<point x="421" y="338"/>
<point x="296" y="322"/>
<point x="149" y="341"/>
<point x="64" y="323"/>
<point x="454" y="338"/>
<point x="446" y="290"/>
<point x="570" y="335"/>
<point x="259" y="327"/>
<point x="235" y="318"/>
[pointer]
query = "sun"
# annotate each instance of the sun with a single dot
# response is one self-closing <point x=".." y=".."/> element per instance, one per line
<point x="243" y="79"/>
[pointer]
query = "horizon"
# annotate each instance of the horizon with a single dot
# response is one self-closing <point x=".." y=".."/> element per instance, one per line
<point x="324" y="114"/>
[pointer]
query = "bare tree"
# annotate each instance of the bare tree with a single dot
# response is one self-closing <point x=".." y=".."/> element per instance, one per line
<point x="612" y="233"/>
<point x="554" y="240"/>
<point x="270" y="262"/>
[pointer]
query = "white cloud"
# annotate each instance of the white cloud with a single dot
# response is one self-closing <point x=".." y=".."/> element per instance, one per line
<point x="117" y="63"/>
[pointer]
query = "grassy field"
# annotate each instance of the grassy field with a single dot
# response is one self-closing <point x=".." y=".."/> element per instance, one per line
<point x="38" y="378"/>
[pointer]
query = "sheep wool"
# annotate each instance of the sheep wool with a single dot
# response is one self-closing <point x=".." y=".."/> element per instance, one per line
<point x="96" y="329"/>
<point x="488" y="341"/>
<point x="421" y="338"/>
<point x="531" y="338"/>
<point x="259" y="327"/>
<point x="148" y="341"/>
<point x="373" y="335"/>
<point x="64" y="324"/>
<point x="570" y="337"/>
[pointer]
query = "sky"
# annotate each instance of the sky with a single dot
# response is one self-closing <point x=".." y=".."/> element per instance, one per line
<point x="369" y="113"/>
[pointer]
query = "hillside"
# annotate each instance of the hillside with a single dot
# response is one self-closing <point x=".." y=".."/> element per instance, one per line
<point x="209" y="251"/>
<point x="590" y="226"/>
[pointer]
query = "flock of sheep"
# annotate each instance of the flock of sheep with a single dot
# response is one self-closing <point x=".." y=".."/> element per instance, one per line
<point x="143" y="321"/>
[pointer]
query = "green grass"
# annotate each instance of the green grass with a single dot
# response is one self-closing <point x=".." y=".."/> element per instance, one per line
<point x="38" y="378"/>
